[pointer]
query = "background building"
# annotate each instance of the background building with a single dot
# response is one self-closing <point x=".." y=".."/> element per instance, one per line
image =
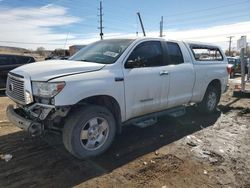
<point x="75" y="48"/>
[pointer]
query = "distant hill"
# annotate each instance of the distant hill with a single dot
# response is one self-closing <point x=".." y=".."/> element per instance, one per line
<point x="7" y="49"/>
<point x="21" y="51"/>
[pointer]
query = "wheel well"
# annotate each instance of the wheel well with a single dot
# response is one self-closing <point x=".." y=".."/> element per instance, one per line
<point x="216" y="83"/>
<point x="106" y="101"/>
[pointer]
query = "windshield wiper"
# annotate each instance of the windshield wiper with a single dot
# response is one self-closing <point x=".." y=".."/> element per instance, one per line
<point x="83" y="60"/>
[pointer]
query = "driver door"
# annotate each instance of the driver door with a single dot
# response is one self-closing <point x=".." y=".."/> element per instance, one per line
<point x="146" y="80"/>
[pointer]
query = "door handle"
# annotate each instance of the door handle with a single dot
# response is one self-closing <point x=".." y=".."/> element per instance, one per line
<point x="164" y="72"/>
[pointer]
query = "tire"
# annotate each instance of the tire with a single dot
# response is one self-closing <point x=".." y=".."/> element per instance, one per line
<point x="210" y="100"/>
<point x="89" y="131"/>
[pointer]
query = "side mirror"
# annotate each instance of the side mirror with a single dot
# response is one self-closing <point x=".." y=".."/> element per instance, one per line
<point x="130" y="64"/>
<point x="136" y="63"/>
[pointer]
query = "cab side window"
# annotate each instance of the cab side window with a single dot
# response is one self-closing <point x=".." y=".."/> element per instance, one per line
<point x="206" y="53"/>
<point x="146" y="54"/>
<point x="174" y="53"/>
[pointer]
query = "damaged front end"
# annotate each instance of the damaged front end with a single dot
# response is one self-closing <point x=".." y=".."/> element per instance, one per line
<point x="36" y="118"/>
<point x="35" y="110"/>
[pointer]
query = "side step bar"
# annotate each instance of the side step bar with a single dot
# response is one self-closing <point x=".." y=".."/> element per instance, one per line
<point x="151" y="119"/>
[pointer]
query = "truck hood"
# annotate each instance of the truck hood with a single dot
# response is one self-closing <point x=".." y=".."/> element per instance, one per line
<point x="47" y="70"/>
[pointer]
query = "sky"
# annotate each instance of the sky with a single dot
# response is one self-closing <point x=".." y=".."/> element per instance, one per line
<point x="61" y="23"/>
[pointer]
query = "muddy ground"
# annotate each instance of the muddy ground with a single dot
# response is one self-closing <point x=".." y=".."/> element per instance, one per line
<point x="190" y="151"/>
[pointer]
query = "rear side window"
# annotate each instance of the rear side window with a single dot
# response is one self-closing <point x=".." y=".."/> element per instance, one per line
<point x="174" y="53"/>
<point x="206" y="53"/>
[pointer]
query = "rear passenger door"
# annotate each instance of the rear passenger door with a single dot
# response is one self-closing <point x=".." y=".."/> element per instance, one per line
<point x="181" y="74"/>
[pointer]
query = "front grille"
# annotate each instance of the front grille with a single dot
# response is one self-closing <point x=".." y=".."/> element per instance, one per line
<point x="15" y="88"/>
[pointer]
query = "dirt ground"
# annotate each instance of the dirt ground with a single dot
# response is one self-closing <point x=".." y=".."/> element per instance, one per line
<point x="189" y="151"/>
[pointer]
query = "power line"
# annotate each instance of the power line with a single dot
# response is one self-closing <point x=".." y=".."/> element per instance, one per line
<point x="122" y="21"/>
<point x="225" y="34"/>
<point x="218" y="7"/>
<point x="204" y="22"/>
<point x="207" y="15"/>
<point x="44" y="43"/>
<point x="206" y="9"/>
<point x="119" y="21"/>
<point x="208" y="20"/>
<point x="76" y="6"/>
<point x="201" y="19"/>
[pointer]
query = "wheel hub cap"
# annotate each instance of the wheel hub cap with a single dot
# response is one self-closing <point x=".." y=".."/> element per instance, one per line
<point x="94" y="133"/>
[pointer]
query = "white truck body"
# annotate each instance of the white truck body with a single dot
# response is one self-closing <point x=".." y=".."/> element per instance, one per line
<point x="137" y="91"/>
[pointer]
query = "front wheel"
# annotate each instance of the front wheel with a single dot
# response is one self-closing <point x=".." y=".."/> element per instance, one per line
<point x="89" y="131"/>
<point x="210" y="100"/>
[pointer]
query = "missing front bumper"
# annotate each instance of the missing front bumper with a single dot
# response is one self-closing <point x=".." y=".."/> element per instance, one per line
<point x="34" y="128"/>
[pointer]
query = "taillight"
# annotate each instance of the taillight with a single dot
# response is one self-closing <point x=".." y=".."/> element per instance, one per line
<point x="229" y="69"/>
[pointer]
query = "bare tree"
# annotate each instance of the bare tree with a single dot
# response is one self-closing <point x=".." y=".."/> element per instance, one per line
<point x="41" y="51"/>
<point x="233" y="53"/>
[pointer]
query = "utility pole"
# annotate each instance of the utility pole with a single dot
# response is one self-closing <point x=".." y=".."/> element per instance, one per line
<point x="161" y="27"/>
<point x="144" y="34"/>
<point x="136" y="20"/>
<point x="100" y="17"/>
<point x="248" y="50"/>
<point x="230" y="42"/>
<point x="248" y="62"/>
<point x="65" y="44"/>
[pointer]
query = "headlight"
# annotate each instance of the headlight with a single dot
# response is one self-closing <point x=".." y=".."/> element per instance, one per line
<point x="47" y="89"/>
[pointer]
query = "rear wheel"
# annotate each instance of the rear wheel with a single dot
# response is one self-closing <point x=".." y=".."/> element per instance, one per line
<point x="89" y="131"/>
<point x="210" y="100"/>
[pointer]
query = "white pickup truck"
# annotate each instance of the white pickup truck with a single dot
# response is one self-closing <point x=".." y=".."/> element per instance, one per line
<point x="111" y="83"/>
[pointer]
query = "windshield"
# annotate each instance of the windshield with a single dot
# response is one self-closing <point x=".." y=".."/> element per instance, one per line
<point x="104" y="51"/>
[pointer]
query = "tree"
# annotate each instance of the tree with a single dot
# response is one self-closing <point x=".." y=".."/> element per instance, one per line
<point x="41" y="51"/>
<point x="233" y="53"/>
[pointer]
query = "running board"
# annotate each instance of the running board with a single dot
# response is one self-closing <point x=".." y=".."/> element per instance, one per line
<point x="151" y="119"/>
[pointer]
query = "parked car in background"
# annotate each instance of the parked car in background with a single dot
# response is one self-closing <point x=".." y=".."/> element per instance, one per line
<point x="9" y="62"/>
<point x="234" y="65"/>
